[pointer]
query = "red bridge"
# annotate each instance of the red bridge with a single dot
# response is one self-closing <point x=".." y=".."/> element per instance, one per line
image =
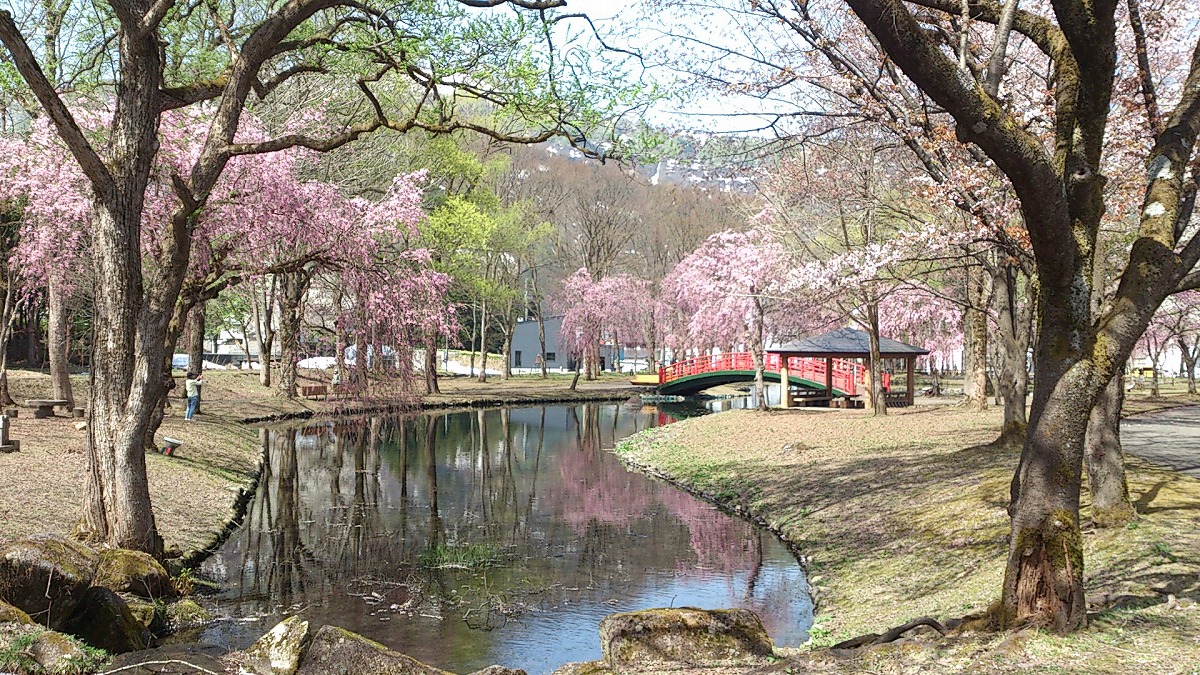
<point x="836" y="377"/>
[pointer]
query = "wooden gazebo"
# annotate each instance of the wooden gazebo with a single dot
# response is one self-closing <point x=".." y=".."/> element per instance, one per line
<point x="835" y="347"/>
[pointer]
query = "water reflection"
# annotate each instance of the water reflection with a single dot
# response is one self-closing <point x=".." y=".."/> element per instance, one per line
<point x="498" y="536"/>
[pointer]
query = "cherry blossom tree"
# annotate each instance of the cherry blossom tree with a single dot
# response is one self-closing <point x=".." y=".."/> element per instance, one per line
<point x="731" y="291"/>
<point x="920" y="315"/>
<point x="344" y="46"/>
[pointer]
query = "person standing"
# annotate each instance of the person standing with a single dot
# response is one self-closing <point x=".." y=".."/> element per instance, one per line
<point x="191" y="387"/>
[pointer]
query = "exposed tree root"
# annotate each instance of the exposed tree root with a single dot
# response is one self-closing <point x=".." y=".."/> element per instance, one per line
<point x="891" y="635"/>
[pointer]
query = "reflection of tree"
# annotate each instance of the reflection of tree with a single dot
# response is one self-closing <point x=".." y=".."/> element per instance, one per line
<point x="275" y="545"/>
<point x="718" y="540"/>
<point x="601" y="492"/>
<point x="429" y="445"/>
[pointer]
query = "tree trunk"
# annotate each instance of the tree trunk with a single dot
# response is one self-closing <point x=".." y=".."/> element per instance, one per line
<point x="474" y="333"/>
<point x="5" y="397"/>
<point x="575" y="380"/>
<point x="1154" y="375"/>
<point x="1111" y="506"/>
<point x="1012" y="337"/>
<point x="264" y="329"/>
<point x="33" y="334"/>
<point x="125" y="386"/>
<point x="542" y="343"/>
<point x="293" y="286"/>
<point x="195" y="337"/>
<point x="58" y="343"/>
<point x="6" y="331"/>
<point x="975" y="359"/>
<point x="431" y="376"/>
<point x="878" y="400"/>
<point x="483" y="348"/>
<point x="506" y="351"/>
<point x="757" y="337"/>
<point x="1188" y="354"/>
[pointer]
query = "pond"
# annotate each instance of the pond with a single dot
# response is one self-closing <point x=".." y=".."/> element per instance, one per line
<point x="465" y="539"/>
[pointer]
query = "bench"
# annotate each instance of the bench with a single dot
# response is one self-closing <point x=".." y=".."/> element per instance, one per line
<point x="43" y="407"/>
<point x="313" y="391"/>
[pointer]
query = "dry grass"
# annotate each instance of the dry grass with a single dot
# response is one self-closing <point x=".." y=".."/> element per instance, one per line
<point x="904" y="516"/>
<point x="194" y="490"/>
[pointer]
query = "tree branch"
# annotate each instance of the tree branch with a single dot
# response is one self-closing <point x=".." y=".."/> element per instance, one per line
<point x="1149" y="96"/>
<point x="26" y="63"/>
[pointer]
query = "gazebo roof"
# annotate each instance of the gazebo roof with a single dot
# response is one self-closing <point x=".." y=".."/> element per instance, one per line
<point x="846" y="343"/>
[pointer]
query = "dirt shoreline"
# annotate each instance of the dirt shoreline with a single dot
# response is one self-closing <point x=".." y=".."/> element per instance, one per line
<point x="904" y="517"/>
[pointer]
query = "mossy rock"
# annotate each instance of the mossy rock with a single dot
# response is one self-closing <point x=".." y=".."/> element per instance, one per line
<point x="184" y="614"/>
<point x="683" y="636"/>
<point x="583" y="668"/>
<point x="30" y="648"/>
<point x="336" y="651"/>
<point x="45" y="576"/>
<point x="147" y="613"/>
<point x="126" y="571"/>
<point x="10" y="614"/>
<point x="499" y="670"/>
<point x="105" y="621"/>
<point x="278" y="651"/>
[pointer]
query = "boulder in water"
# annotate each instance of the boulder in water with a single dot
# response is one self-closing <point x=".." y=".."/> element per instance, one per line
<point x="45" y="576"/>
<point x="184" y="614"/>
<point x="336" y="651"/>
<point x="500" y="670"/>
<point x="683" y="635"/>
<point x="277" y="652"/>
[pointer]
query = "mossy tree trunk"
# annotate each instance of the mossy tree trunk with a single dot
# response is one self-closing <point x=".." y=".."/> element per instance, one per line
<point x="1105" y="460"/>
<point x="1062" y="200"/>
<point x="1013" y="331"/>
<point x="975" y="355"/>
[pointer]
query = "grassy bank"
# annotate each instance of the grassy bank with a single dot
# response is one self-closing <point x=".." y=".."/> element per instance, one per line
<point x="904" y="516"/>
<point x="194" y="491"/>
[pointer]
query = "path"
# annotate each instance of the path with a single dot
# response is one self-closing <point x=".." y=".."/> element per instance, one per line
<point x="1170" y="437"/>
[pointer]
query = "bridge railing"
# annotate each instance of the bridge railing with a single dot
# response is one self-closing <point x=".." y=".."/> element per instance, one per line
<point x="846" y="377"/>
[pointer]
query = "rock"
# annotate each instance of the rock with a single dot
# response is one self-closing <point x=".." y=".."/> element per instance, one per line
<point x="584" y="668"/>
<point x="336" y="651"/>
<point x="105" y="621"/>
<point x="277" y="652"/>
<point x="683" y="636"/>
<point x="10" y="614"/>
<point x="171" y="660"/>
<point x="185" y="614"/>
<point x="46" y="565"/>
<point x="146" y="612"/>
<point x="126" y="571"/>
<point x="501" y="670"/>
<point x="30" y="648"/>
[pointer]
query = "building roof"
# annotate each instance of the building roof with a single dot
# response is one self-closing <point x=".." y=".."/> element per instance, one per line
<point x="846" y="343"/>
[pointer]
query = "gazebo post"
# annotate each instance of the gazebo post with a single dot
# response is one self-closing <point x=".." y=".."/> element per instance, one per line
<point x="911" y="369"/>
<point x="785" y="385"/>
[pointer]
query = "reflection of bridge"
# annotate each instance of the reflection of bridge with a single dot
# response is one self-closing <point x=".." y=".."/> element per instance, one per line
<point x="821" y="367"/>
